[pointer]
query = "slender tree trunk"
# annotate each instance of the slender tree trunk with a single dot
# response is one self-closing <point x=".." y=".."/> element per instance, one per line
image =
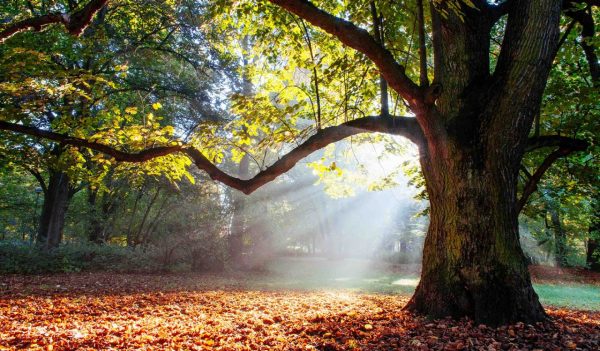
<point x="236" y="236"/>
<point x="560" y="239"/>
<point x="54" y="209"/>
<point x="593" y="251"/>
<point x="95" y="225"/>
<point x="138" y="236"/>
<point x="130" y="241"/>
<point x="593" y="243"/>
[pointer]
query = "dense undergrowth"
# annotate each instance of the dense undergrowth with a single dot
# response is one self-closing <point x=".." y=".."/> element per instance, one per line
<point x="17" y="257"/>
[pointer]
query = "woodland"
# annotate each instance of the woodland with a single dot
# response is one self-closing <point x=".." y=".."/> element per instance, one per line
<point x="297" y="175"/>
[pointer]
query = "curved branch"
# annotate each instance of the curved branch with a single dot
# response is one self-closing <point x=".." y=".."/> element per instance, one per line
<point x="402" y="126"/>
<point x="531" y="185"/>
<point x="360" y="40"/>
<point x="74" y="22"/>
<point x="38" y="177"/>
<point x="588" y="31"/>
<point x="567" y="146"/>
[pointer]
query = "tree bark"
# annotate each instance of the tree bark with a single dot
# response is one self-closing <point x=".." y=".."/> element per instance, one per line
<point x="52" y="219"/>
<point x="75" y="22"/>
<point x="473" y="264"/>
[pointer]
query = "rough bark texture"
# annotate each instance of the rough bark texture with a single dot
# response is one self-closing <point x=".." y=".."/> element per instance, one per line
<point x="472" y="261"/>
<point x="473" y="264"/>
<point x="56" y="201"/>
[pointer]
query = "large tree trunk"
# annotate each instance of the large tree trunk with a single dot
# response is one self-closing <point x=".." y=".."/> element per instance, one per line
<point x="56" y="201"/>
<point x="472" y="261"/>
<point x="473" y="264"/>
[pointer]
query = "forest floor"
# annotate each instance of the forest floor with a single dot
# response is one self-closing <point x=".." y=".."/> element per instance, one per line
<point x="272" y="310"/>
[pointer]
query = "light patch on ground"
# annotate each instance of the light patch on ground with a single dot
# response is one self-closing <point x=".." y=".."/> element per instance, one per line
<point x="406" y="282"/>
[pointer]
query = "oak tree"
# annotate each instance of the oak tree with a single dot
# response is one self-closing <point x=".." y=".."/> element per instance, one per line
<point x="471" y="123"/>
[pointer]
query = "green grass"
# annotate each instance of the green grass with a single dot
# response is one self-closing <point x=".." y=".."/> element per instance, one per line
<point x="363" y="276"/>
<point x="577" y="296"/>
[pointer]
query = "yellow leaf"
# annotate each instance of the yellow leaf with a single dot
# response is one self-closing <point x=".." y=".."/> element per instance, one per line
<point x="131" y="110"/>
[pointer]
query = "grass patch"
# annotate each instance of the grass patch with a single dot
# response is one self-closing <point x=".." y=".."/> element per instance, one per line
<point x="363" y="276"/>
<point x="577" y="296"/>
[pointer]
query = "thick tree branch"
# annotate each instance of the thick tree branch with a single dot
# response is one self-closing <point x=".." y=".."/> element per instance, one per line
<point x="403" y="126"/>
<point x="566" y="146"/>
<point x="360" y="40"/>
<point x="555" y="141"/>
<point x="74" y="22"/>
<point x="121" y="156"/>
<point x="536" y="177"/>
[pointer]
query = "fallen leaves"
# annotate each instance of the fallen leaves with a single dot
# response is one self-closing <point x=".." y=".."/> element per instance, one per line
<point x="132" y="312"/>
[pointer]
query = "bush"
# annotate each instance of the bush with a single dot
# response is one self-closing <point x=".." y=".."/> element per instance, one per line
<point x="21" y="258"/>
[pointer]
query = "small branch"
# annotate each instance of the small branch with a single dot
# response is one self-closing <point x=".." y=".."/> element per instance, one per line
<point x="383" y="86"/>
<point x="531" y="185"/>
<point x="39" y="178"/>
<point x="565" y="35"/>
<point x="360" y="40"/>
<point x="423" y="80"/>
<point x="74" y="22"/>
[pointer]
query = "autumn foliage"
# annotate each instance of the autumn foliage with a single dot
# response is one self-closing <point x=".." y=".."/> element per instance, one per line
<point x="199" y="312"/>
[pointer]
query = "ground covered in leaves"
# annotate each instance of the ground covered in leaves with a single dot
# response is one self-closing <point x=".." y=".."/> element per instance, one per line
<point x="96" y="311"/>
